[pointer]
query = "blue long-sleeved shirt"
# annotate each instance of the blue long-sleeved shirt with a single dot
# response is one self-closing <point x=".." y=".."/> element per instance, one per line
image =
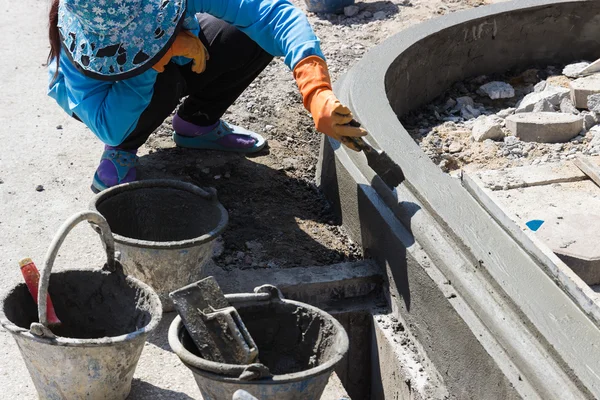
<point x="112" y="109"/>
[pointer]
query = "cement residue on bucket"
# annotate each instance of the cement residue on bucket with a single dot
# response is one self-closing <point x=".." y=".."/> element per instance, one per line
<point x="89" y="307"/>
<point x="159" y="214"/>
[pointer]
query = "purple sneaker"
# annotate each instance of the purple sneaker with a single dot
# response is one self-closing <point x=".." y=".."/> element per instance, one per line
<point x="220" y="136"/>
<point x="116" y="166"/>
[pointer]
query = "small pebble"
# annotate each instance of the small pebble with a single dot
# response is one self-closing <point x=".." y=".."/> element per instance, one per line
<point x="205" y="170"/>
<point x="351" y="11"/>
<point x="379" y="15"/>
<point x="39" y="188"/>
<point x="217" y="177"/>
<point x="58" y="126"/>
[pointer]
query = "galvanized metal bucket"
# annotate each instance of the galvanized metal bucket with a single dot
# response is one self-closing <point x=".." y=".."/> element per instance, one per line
<point x="164" y="231"/>
<point x="105" y="316"/>
<point x="299" y="345"/>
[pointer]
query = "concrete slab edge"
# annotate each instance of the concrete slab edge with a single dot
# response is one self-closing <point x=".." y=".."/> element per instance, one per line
<point x="572" y="284"/>
<point x="322" y="286"/>
<point x="519" y="351"/>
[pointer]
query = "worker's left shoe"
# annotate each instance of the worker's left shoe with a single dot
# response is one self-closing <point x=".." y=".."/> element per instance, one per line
<point x="220" y="136"/>
<point x="117" y="166"/>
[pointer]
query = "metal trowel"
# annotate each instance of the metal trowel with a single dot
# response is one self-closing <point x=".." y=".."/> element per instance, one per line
<point x="213" y="324"/>
<point x="378" y="160"/>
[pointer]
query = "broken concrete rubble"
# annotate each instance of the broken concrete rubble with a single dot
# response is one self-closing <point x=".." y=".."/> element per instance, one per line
<point x="593" y="103"/>
<point x="573" y="70"/>
<point x="553" y="94"/>
<point x="589" y="120"/>
<point x="487" y="128"/>
<point x="498" y="90"/>
<point x="567" y="107"/>
<point x="545" y="127"/>
<point x="543" y="106"/>
<point x="582" y="88"/>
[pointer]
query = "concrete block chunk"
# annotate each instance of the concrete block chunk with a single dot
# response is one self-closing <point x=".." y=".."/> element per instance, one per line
<point x="573" y="70"/>
<point x="567" y="107"/>
<point x="554" y="95"/>
<point x="589" y="120"/>
<point x="543" y="106"/>
<point x="574" y="238"/>
<point x="498" y="90"/>
<point x="545" y="127"/>
<point x="487" y="128"/>
<point x="582" y="88"/>
<point x="540" y="86"/>
<point x="593" y="102"/>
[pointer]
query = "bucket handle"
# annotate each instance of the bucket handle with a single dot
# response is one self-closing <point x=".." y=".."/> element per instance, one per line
<point x="41" y="328"/>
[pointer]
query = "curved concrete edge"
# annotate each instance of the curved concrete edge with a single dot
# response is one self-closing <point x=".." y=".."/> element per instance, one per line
<point x="455" y="310"/>
<point x="567" y="329"/>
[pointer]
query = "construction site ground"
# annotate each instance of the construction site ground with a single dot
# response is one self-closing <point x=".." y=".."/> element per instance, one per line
<point x="277" y="216"/>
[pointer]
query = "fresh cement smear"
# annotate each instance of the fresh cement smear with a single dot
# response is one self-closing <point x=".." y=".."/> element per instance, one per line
<point x="90" y="305"/>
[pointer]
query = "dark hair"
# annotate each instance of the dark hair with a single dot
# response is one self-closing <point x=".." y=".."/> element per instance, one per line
<point x="54" y="35"/>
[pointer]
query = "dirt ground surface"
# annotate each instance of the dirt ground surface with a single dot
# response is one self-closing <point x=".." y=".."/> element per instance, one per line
<point x="278" y="218"/>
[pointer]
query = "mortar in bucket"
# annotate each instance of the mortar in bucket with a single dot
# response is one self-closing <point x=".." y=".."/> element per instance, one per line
<point x="106" y="317"/>
<point x="298" y="344"/>
<point x="164" y="231"/>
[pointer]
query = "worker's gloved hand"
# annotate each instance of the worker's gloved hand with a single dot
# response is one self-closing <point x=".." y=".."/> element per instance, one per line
<point x="188" y="45"/>
<point x="330" y="116"/>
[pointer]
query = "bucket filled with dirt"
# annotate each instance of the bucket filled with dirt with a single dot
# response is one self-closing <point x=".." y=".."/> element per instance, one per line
<point x="164" y="231"/>
<point x="92" y="351"/>
<point x="298" y="347"/>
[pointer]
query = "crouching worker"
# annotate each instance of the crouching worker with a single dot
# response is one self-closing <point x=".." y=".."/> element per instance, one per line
<point x="122" y="66"/>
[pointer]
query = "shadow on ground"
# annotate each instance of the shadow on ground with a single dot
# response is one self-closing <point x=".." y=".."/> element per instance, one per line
<point x="141" y="390"/>
<point x="275" y="220"/>
<point x="159" y="337"/>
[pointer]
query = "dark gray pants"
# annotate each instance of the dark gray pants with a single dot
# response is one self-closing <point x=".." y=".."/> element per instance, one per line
<point x="235" y="61"/>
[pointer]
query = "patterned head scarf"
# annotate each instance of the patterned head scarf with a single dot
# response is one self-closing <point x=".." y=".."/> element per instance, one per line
<point x="118" y="39"/>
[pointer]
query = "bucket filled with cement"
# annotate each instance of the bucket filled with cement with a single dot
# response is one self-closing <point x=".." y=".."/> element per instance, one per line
<point x="105" y="318"/>
<point x="298" y="347"/>
<point x="164" y="231"/>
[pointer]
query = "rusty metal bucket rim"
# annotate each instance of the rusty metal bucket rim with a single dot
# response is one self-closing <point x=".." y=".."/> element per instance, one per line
<point x="216" y="370"/>
<point x="206" y="193"/>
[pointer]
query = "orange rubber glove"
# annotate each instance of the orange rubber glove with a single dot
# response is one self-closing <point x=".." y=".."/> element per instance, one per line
<point x="330" y="116"/>
<point x="188" y="45"/>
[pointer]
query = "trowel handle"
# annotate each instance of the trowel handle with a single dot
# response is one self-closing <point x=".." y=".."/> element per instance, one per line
<point x="359" y="142"/>
<point x="59" y="238"/>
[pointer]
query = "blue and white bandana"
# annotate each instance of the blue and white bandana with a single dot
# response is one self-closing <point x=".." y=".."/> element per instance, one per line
<point x="118" y="39"/>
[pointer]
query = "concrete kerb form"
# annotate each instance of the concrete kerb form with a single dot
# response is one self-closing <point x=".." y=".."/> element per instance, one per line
<point x="495" y="276"/>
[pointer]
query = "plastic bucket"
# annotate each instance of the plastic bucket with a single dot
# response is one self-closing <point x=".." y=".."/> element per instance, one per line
<point x="299" y="345"/>
<point x="164" y="231"/>
<point x="105" y="316"/>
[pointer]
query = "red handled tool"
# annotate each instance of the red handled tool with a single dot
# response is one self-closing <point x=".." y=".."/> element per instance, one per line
<point x="32" y="280"/>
